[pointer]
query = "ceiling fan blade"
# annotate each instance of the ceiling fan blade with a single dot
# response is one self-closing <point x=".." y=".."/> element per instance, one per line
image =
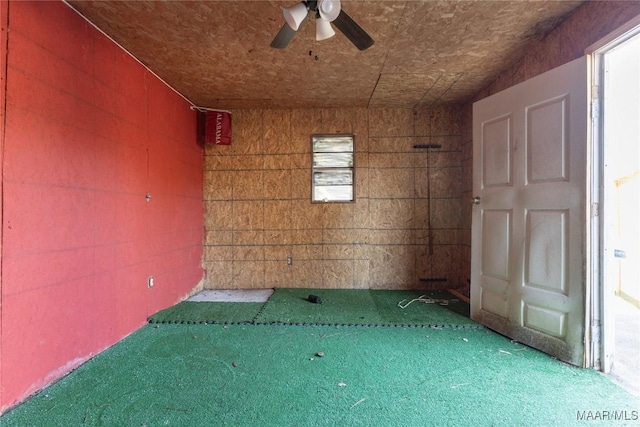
<point x="353" y="31"/>
<point x="284" y="36"/>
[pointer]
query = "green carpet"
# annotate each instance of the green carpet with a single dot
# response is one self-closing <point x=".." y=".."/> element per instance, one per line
<point x="208" y="312"/>
<point x="269" y="375"/>
<point x="363" y="307"/>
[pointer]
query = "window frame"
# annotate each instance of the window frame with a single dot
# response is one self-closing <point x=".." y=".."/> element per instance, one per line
<point x="351" y="168"/>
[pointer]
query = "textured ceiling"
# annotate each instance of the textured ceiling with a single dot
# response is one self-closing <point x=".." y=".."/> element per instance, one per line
<point x="217" y="54"/>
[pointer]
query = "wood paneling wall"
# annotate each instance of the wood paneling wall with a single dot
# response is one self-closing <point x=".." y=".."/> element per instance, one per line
<point x="405" y="224"/>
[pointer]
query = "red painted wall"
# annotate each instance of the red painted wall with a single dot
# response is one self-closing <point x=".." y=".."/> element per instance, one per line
<point x="88" y="133"/>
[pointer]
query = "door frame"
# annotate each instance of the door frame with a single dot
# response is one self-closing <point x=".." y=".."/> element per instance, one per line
<point x="599" y="334"/>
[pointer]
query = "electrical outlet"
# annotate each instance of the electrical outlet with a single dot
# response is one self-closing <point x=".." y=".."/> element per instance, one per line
<point x="289" y="260"/>
<point x="150" y="282"/>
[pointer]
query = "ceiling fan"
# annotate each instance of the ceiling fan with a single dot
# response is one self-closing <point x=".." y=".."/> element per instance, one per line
<point x="326" y="12"/>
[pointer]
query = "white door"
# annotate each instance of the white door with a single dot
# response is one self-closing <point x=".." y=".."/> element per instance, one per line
<point x="529" y="218"/>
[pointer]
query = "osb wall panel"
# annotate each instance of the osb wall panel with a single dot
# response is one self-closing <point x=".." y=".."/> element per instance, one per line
<point x="589" y="23"/>
<point x="405" y="224"/>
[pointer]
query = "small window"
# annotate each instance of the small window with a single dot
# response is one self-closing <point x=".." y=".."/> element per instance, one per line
<point x="332" y="174"/>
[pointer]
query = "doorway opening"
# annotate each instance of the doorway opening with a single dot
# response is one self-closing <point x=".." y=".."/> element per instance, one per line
<point x="617" y="74"/>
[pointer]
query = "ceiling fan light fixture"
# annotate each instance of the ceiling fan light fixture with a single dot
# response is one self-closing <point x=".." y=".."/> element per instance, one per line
<point x="323" y="29"/>
<point x="329" y="9"/>
<point x="294" y="15"/>
<point x="326" y="13"/>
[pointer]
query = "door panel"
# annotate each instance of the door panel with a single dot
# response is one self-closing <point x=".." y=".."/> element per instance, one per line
<point x="547" y="129"/>
<point x="496" y="149"/>
<point x="495" y="262"/>
<point x="528" y="230"/>
<point x="546" y="250"/>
